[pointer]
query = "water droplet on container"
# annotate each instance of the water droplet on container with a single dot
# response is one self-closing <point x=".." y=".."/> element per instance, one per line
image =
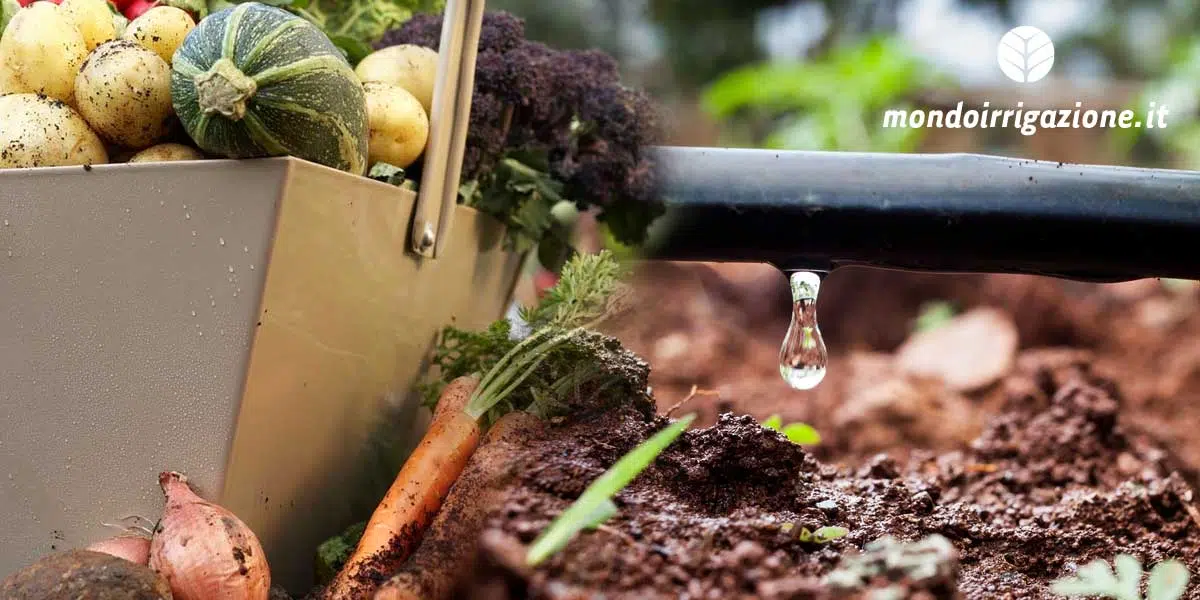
<point x="193" y="313"/>
<point x="230" y="268"/>
<point x="187" y="215"/>
<point x="803" y="358"/>
<point x="6" y="222"/>
<point x="221" y="241"/>
<point x="245" y="248"/>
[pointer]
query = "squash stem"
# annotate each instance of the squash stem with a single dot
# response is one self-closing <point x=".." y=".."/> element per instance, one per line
<point x="224" y="89"/>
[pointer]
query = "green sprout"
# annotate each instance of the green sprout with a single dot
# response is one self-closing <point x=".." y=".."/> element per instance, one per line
<point x="595" y="504"/>
<point x="822" y="535"/>
<point x="934" y="315"/>
<point x="1167" y="581"/>
<point x="798" y="433"/>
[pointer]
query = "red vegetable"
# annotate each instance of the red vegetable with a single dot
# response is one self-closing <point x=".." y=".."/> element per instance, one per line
<point x="135" y="8"/>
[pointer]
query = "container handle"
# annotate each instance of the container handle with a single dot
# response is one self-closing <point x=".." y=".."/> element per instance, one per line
<point x="437" y="196"/>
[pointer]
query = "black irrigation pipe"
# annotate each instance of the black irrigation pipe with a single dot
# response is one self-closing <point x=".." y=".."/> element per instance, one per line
<point x="928" y="212"/>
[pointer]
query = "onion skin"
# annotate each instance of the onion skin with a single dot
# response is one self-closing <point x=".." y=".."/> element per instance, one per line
<point x="204" y="551"/>
<point x="133" y="548"/>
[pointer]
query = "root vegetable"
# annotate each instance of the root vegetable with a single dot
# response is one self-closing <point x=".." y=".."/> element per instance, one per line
<point x="409" y="66"/>
<point x="84" y="575"/>
<point x="447" y="549"/>
<point x="399" y="127"/>
<point x="400" y="520"/>
<point x="93" y="19"/>
<point x="137" y="8"/>
<point x="124" y="92"/>
<point x="37" y="131"/>
<point x="161" y="30"/>
<point x="43" y="50"/>
<point x="167" y="152"/>
<point x="133" y="548"/>
<point x="204" y="551"/>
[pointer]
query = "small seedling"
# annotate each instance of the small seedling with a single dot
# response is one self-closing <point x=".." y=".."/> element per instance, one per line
<point x="934" y="315"/>
<point x="799" y="433"/>
<point x="822" y="535"/>
<point x="1167" y="581"/>
<point x="595" y="504"/>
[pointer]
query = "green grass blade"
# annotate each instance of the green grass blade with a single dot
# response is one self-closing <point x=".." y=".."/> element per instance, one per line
<point x="584" y="512"/>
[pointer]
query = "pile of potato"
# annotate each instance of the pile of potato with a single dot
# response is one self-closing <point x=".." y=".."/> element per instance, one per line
<point x="80" y="86"/>
<point x="76" y="86"/>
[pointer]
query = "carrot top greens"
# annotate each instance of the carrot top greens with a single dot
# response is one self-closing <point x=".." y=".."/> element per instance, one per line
<point x="560" y="357"/>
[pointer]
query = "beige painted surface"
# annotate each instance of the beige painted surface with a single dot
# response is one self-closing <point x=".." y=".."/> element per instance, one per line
<point x="130" y="303"/>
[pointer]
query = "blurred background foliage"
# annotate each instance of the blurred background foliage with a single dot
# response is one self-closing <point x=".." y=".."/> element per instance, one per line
<point x="817" y="74"/>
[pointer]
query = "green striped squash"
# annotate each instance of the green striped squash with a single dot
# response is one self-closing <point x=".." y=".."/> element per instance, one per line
<point x="254" y="80"/>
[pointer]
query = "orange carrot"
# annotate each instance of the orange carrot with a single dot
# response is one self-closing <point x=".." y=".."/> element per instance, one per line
<point x="448" y="549"/>
<point x="400" y="519"/>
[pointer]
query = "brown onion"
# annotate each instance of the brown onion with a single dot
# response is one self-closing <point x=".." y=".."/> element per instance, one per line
<point x="133" y="548"/>
<point x="204" y="551"/>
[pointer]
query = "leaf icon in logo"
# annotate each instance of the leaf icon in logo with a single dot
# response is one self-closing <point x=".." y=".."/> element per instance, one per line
<point x="1025" y="54"/>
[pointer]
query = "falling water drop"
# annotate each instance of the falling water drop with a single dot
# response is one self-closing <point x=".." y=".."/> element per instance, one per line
<point x="803" y="357"/>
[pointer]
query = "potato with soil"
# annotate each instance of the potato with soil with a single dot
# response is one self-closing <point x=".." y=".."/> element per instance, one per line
<point x="42" y="50"/>
<point x="409" y="66"/>
<point x="166" y="153"/>
<point x="399" y="126"/>
<point x="84" y="575"/>
<point x="161" y="29"/>
<point x="93" y="19"/>
<point x="39" y="131"/>
<point x="124" y="93"/>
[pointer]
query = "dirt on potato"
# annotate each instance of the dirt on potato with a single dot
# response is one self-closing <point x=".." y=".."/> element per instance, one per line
<point x="991" y="477"/>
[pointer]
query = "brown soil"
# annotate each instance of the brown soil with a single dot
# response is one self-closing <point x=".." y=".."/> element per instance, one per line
<point x="1030" y="457"/>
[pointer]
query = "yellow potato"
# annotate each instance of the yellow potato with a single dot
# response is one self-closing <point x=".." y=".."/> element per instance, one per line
<point x="124" y="93"/>
<point x="43" y="50"/>
<point x="399" y="126"/>
<point x="8" y="81"/>
<point x="92" y="18"/>
<point x="161" y="29"/>
<point x="409" y="66"/>
<point x="166" y="152"/>
<point x="38" y="131"/>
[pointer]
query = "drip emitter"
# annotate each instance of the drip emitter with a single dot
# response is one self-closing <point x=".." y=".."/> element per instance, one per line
<point x="811" y="212"/>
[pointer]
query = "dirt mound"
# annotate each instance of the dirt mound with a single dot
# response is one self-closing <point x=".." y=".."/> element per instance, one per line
<point x="1054" y="480"/>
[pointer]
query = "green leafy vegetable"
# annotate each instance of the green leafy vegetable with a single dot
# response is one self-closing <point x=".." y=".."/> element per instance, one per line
<point x="798" y="433"/>
<point x="558" y="356"/>
<point x="333" y="553"/>
<point x="8" y="9"/>
<point x="354" y="25"/>
<point x="595" y="504"/>
<point x="1167" y="581"/>
<point x="387" y="173"/>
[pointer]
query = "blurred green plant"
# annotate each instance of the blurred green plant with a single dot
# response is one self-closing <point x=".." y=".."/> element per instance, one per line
<point x="934" y="314"/>
<point x="1179" y="90"/>
<point x="835" y="102"/>
<point x="1167" y="580"/>
<point x="802" y="434"/>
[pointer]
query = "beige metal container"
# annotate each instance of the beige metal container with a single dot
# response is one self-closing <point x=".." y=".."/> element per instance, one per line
<point x="255" y="324"/>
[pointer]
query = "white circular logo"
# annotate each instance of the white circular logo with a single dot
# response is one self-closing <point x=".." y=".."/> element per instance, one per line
<point x="1025" y="54"/>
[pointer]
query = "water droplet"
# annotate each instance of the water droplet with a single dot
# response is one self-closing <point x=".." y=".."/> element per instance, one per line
<point x="187" y="215"/>
<point x="193" y="313"/>
<point x="162" y="202"/>
<point x="251" y="267"/>
<point x="6" y="222"/>
<point x="230" y="268"/>
<point x="221" y="241"/>
<point x="803" y="358"/>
